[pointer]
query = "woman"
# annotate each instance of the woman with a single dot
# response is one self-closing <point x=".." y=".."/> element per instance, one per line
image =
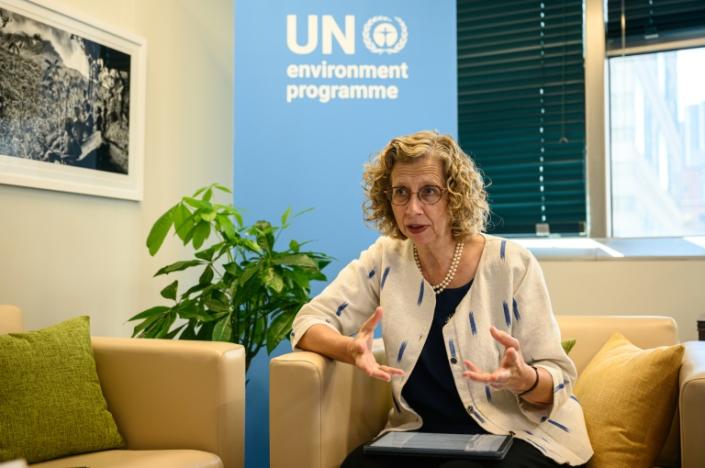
<point x="471" y="342"/>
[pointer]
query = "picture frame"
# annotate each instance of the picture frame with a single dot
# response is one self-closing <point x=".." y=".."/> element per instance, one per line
<point x="72" y="102"/>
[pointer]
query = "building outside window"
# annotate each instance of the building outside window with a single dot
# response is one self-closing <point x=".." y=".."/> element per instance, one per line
<point x="657" y="143"/>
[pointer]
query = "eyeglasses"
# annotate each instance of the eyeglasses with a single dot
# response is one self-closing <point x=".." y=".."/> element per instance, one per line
<point x="428" y="195"/>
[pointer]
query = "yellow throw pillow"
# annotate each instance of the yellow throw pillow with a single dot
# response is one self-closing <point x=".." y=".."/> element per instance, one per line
<point x="628" y="395"/>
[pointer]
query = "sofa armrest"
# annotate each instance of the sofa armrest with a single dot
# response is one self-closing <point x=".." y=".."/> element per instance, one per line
<point x="691" y="403"/>
<point x="10" y="319"/>
<point x="168" y="394"/>
<point x="320" y="410"/>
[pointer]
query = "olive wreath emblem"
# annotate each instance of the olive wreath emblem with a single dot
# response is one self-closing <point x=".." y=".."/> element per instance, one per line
<point x="369" y="43"/>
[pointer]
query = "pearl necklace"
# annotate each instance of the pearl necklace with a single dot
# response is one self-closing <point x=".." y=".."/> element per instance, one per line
<point x="438" y="288"/>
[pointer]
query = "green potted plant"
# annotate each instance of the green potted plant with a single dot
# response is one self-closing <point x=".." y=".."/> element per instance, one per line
<point x="248" y="292"/>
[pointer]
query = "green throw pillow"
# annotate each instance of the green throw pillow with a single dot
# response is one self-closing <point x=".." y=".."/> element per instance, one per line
<point x="51" y="404"/>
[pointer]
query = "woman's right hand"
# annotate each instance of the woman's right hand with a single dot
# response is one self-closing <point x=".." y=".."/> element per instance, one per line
<point x="360" y="348"/>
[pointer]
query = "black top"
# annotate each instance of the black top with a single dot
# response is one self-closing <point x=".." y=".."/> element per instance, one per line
<point x="430" y="389"/>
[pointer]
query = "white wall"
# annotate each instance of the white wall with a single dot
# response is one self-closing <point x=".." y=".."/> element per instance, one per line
<point x="630" y="287"/>
<point x="63" y="254"/>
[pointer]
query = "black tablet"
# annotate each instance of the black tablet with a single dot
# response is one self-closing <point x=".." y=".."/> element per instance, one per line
<point x="479" y="446"/>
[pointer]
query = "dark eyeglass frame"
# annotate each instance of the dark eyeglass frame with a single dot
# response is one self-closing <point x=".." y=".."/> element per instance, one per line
<point x="390" y="194"/>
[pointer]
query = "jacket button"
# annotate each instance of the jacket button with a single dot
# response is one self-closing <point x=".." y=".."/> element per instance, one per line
<point x="470" y="409"/>
<point x="453" y="360"/>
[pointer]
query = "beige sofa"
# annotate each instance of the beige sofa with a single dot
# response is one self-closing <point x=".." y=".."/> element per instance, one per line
<point x="176" y="403"/>
<point x="320" y="410"/>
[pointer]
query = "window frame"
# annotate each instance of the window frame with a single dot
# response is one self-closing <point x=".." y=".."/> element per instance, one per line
<point x="597" y="118"/>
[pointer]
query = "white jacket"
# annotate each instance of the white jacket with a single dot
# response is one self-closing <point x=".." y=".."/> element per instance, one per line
<point x="508" y="292"/>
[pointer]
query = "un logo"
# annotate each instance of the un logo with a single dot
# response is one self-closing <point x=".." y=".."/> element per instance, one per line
<point x="381" y="35"/>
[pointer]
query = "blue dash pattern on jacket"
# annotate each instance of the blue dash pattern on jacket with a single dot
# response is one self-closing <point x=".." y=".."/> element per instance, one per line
<point x="558" y="425"/>
<point x="420" y="300"/>
<point x="473" y="325"/>
<point x="451" y="345"/>
<point x="401" y="351"/>
<point x="341" y="308"/>
<point x="384" y="277"/>
<point x="371" y="273"/>
<point x="507" y="317"/>
<point x="488" y="393"/>
<point x="503" y="250"/>
<point x="515" y="308"/>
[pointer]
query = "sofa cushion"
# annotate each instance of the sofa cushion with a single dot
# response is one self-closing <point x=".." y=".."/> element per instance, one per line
<point x="629" y="396"/>
<point x="51" y="403"/>
<point x="139" y="459"/>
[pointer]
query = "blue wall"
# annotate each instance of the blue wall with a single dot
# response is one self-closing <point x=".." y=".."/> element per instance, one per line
<point x="304" y="153"/>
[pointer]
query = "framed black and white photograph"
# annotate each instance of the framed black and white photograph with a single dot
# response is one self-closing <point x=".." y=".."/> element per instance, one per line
<point x="71" y="102"/>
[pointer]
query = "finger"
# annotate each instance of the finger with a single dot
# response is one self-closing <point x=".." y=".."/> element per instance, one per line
<point x="478" y="376"/>
<point x="371" y="323"/>
<point x="513" y="357"/>
<point x="392" y="370"/>
<point x="504" y="338"/>
<point x="508" y="358"/>
<point x="380" y="374"/>
<point x="471" y="366"/>
<point x="499" y="376"/>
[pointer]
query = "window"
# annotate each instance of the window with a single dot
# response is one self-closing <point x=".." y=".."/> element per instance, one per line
<point x="521" y="110"/>
<point x="522" y="114"/>
<point x="656" y="117"/>
<point x="657" y="143"/>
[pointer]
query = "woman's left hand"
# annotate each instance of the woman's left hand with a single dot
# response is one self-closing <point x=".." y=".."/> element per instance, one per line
<point x="513" y="373"/>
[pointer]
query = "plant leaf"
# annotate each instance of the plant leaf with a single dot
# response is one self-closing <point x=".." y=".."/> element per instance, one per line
<point x="301" y="260"/>
<point x="273" y="280"/>
<point x="208" y="215"/>
<point x="201" y="233"/>
<point x="174" y="332"/>
<point x="198" y="204"/>
<point x="207" y="254"/>
<point x="190" y="331"/>
<point x="170" y="291"/>
<point x="222" y="188"/>
<point x="216" y="304"/>
<point x="250" y="245"/>
<point x="194" y="312"/>
<point x="144" y="327"/>
<point x="226" y="225"/>
<point x="223" y="329"/>
<point x="207" y="276"/>
<point x="158" y="233"/>
<point x="149" y="312"/>
<point x="567" y="345"/>
<point x="183" y="221"/>
<point x="178" y="266"/>
<point x="247" y="274"/>
<point x="206" y="331"/>
<point x="279" y="328"/>
<point x="264" y="234"/>
<point x="285" y="216"/>
<point x="207" y="195"/>
<point x="193" y="289"/>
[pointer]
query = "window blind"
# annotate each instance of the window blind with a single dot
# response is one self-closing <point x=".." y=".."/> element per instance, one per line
<point x="653" y="21"/>
<point x="521" y="110"/>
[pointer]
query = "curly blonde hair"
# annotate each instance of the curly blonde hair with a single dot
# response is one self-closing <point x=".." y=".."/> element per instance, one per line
<point x="467" y="198"/>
